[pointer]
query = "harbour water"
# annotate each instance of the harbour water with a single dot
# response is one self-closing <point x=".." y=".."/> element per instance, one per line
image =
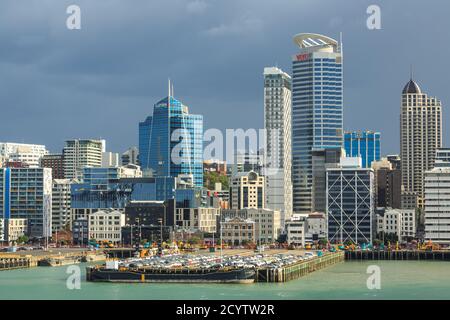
<point x="399" y="280"/>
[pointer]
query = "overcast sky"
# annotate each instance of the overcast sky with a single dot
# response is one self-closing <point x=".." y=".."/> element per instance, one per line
<point x="102" y="80"/>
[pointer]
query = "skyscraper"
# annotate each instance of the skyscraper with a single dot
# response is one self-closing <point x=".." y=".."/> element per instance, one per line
<point x="420" y="136"/>
<point x="277" y="122"/>
<point x="365" y="144"/>
<point x="317" y="108"/>
<point x="171" y="129"/>
<point x="78" y="154"/>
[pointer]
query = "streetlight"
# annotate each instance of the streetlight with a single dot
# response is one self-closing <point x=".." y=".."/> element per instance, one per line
<point x="160" y="220"/>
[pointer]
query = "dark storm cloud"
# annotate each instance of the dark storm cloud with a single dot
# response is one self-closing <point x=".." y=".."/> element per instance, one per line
<point x="102" y="80"/>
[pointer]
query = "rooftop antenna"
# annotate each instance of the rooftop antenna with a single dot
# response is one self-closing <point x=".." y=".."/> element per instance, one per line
<point x="172" y="90"/>
<point x="341" y="44"/>
<point x="411" y="71"/>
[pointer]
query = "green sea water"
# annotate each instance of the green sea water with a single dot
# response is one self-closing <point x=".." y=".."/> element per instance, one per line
<point x="399" y="280"/>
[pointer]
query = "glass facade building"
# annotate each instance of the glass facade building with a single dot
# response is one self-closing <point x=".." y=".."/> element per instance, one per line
<point x="350" y="205"/>
<point x="364" y="144"/>
<point x="317" y="109"/>
<point x="169" y="130"/>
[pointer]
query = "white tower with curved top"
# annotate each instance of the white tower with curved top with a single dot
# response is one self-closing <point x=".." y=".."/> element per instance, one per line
<point x="317" y="109"/>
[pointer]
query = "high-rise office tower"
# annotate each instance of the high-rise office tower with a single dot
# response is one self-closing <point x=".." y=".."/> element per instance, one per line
<point x="78" y="154"/>
<point x="171" y="141"/>
<point x="420" y="136"/>
<point x="277" y="122"/>
<point x="317" y="109"/>
<point x="365" y="144"/>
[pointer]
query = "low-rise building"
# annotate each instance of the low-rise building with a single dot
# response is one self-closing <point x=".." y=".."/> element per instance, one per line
<point x="106" y="225"/>
<point x="237" y="231"/>
<point x="296" y="228"/>
<point x="398" y="222"/>
<point x="12" y="229"/>
<point x="202" y="219"/>
<point x="316" y="228"/>
<point x="267" y="222"/>
<point x="80" y="231"/>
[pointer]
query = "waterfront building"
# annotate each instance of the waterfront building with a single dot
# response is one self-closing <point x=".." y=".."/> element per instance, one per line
<point x="267" y="222"/>
<point x="106" y="225"/>
<point x="171" y="141"/>
<point x="148" y="213"/>
<point x="116" y="193"/>
<point x="12" y="229"/>
<point x="61" y="204"/>
<point x="56" y="163"/>
<point x="437" y="205"/>
<point x="26" y="193"/>
<point x="316" y="227"/>
<point x="317" y="109"/>
<point x="238" y="231"/>
<point x="136" y="235"/>
<point x="80" y="231"/>
<point x="420" y="136"/>
<point x="365" y="144"/>
<point x="398" y="222"/>
<point x="296" y="230"/>
<point x="321" y="160"/>
<point x="387" y="184"/>
<point x="350" y="202"/>
<point x="131" y="156"/>
<point x="201" y="219"/>
<point x="78" y="154"/>
<point x="277" y="123"/>
<point x="247" y="190"/>
<point x="30" y="154"/>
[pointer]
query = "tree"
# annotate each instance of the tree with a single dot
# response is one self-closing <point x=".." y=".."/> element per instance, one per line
<point x="210" y="178"/>
<point x="22" y="239"/>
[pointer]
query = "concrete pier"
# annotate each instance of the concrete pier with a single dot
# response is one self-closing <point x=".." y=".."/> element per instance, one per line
<point x="416" y="255"/>
<point x="299" y="269"/>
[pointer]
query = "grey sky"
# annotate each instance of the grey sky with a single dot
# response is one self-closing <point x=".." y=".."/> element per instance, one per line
<point x="102" y="80"/>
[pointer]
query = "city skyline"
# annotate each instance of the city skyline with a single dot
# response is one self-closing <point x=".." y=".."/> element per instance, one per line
<point x="91" y="79"/>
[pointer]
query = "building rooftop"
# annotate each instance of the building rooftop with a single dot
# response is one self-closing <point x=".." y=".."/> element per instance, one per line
<point x="411" y="88"/>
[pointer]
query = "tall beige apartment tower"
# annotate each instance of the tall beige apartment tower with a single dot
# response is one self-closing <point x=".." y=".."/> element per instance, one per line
<point x="420" y="136"/>
<point x="278" y="156"/>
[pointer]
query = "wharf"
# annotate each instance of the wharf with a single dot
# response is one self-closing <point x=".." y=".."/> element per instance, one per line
<point x="414" y="255"/>
<point x="298" y="269"/>
<point x="29" y="259"/>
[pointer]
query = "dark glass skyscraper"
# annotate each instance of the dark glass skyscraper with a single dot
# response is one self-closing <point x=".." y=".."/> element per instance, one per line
<point x="169" y="129"/>
<point x="317" y="109"/>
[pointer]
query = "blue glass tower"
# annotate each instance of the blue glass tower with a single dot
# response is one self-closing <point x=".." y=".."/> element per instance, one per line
<point x="171" y="128"/>
<point x="364" y="144"/>
<point x="317" y="109"/>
